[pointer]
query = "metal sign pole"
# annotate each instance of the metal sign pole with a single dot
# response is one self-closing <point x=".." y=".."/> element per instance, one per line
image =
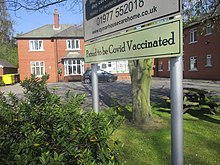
<point x="177" y="140"/>
<point x="95" y="89"/>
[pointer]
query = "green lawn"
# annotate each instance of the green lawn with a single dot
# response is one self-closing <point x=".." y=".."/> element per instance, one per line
<point x="153" y="146"/>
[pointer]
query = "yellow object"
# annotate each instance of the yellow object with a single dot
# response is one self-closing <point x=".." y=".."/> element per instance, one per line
<point x="8" y="79"/>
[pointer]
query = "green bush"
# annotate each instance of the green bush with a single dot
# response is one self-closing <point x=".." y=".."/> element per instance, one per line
<point x="40" y="129"/>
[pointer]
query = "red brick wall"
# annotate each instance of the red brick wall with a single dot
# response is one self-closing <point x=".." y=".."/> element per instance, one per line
<point x="25" y="57"/>
<point x="165" y="71"/>
<point x="61" y="52"/>
<point x="206" y="44"/>
<point x="124" y="76"/>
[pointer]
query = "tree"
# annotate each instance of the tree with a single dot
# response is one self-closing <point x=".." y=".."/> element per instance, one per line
<point x="8" y="49"/>
<point x="140" y="72"/>
<point x="5" y="24"/>
<point x="200" y="10"/>
<point x="36" y="5"/>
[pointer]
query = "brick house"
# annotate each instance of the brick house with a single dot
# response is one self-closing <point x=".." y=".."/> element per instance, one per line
<point x="56" y="49"/>
<point x="201" y="57"/>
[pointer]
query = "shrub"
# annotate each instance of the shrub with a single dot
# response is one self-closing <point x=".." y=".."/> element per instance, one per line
<point x="40" y="129"/>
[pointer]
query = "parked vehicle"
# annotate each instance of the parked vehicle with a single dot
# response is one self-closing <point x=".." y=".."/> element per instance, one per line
<point x="103" y="76"/>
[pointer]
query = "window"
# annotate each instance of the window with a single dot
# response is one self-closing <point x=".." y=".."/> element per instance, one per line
<point x="36" y="45"/>
<point x="160" y="67"/>
<point x="193" y="63"/>
<point x="208" y="60"/>
<point x="104" y="66"/>
<point x="37" y="68"/>
<point x="208" y="29"/>
<point x="168" y="65"/>
<point x="72" y="44"/>
<point x="73" y="67"/>
<point x="193" y="36"/>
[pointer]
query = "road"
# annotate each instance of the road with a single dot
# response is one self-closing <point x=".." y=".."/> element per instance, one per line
<point x="118" y="92"/>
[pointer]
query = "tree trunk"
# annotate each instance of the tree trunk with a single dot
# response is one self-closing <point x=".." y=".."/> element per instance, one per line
<point x="140" y="72"/>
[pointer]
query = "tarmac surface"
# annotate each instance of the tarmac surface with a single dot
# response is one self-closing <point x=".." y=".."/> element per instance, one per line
<point x="118" y="92"/>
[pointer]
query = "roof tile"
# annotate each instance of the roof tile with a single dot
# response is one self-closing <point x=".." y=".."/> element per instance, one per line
<point x="47" y="31"/>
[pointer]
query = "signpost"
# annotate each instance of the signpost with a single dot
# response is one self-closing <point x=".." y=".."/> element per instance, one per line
<point x="103" y="17"/>
<point x="95" y="90"/>
<point x="176" y="74"/>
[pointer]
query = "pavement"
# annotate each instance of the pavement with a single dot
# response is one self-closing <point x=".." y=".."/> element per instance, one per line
<point x="118" y="92"/>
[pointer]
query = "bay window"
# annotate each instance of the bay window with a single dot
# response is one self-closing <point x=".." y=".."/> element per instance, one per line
<point x="73" y="67"/>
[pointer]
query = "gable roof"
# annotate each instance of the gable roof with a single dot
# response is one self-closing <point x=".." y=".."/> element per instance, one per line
<point x="72" y="31"/>
<point x="48" y="31"/>
<point x="5" y="64"/>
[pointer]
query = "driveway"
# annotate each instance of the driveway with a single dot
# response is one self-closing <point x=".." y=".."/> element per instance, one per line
<point x="118" y="92"/>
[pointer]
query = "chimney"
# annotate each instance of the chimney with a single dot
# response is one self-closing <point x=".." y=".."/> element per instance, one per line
<point x="56" y="25"/>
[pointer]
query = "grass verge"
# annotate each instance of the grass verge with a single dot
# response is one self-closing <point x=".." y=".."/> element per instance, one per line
<point x="153" y="146"/>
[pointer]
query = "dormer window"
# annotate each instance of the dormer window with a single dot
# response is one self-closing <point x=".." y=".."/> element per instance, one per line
<point x="73" y="44"/>
<point x="36" y="45"/>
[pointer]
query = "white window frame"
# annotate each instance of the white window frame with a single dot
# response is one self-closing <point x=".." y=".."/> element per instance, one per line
<point x="193" y="63"/>
<point x="73" y="44"/>
<point x="208" y="60"/>
<point x="208" y="29"/>
<point x="73" y="67"/>
<point x="193" y="36"/>
<point x="36" y="45"/>
<point x="160" y="66"/>
<point x="37" y="68"/>
<point x="168" y="65"/>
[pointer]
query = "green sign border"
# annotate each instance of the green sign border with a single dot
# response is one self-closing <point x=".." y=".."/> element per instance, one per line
<point x="175" y="50"/>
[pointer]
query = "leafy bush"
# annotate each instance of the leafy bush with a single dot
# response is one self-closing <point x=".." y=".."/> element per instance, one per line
<point x="40" y="129"/>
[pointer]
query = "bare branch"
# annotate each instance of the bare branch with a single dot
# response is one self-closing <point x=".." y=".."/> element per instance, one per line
<point x="34" y="5"/>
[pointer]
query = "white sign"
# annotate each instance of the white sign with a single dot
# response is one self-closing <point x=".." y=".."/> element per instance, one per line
<point x="155" y="41"/>
<point x="102" y="17"/>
